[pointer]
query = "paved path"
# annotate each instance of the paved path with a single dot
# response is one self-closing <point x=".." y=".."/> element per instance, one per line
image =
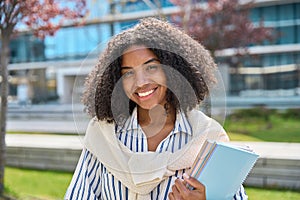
<point x="44" y="141"/>
<point x="46" y="126"/>
<point x="264" y="149"/>
<point x="280" y="150"/>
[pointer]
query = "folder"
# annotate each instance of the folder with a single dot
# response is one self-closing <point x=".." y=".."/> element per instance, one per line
<point x="222" y="168"/>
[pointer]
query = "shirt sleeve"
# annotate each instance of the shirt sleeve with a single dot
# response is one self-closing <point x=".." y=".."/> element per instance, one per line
<point x="85" y="183"/>
<point x="240" y="194"/>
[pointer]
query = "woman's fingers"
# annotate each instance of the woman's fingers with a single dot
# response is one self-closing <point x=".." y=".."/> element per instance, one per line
<point x="175" y="194"/>
<point x="181" y="188"/>
<point x="194" y="183"/>
<point x="181" y="192"/>
<point x="171" y="196"/>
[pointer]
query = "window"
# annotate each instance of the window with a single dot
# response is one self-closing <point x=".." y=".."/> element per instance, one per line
<point x="252" y="61"/>
<point x="253" y="82"/>
<point x="272" y="81"/>
<point x="270" y="59"/>
<point x="269" y="13"/>
<point x="286" y="58"/>
<point x="288" y="80"/>
<point x="297" y="28"/>
<point x="297" y="10"/>
<point x="287" y="35"/>
<point x="26" y="48"/>
<point x="237" y="83"/>
<point x="286" y="12"/>
<point x="255" y="15"/>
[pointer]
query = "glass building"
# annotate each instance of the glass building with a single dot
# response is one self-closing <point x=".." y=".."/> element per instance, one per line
<point x="46" y="70"/>
<point x="273" y="68"/>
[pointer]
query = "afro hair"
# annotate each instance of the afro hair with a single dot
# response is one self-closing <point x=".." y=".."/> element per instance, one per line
<point x="188" y="60"/>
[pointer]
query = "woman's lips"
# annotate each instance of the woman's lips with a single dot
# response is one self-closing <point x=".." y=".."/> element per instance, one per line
<point x="145" y="94"/>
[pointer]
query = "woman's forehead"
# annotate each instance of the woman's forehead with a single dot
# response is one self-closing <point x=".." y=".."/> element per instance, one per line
<point x="137" y="55"/>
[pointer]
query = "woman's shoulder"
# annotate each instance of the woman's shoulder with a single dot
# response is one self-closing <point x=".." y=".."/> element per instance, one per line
<point x="196" y="115"/>
<point x="201" y="123"/>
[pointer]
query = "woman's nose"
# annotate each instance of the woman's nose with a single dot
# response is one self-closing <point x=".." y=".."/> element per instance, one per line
<point x="141" y="78"/>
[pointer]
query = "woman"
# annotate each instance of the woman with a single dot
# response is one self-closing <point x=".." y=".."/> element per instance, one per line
<point x="146" y="130"/>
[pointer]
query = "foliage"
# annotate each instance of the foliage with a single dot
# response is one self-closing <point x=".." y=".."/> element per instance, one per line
<point x="261" y="113"/>
<point x="42" y="17"/>
<point x="221" y="24"/>
<point x="292" y="114"/>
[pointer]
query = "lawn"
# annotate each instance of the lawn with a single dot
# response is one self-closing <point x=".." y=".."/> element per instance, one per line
<point x="264" y="125"/>
<point x="244" y="125"/>
<point x="51" y="185"/>
<point x="32" y="184"/>
<point x="268" y="194"/>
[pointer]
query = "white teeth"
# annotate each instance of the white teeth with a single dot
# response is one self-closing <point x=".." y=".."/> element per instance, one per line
<point x="143" y="94"/>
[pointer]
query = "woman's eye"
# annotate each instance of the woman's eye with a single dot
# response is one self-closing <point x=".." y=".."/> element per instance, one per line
<point x="128" y="74"/>
<point x="152" y="68"/>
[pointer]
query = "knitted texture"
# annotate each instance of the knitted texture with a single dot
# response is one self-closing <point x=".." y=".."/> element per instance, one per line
<point x="142" y="172"/>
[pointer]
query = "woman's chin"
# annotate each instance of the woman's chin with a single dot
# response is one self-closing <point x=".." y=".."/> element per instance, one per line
<point x="151" y="106"/>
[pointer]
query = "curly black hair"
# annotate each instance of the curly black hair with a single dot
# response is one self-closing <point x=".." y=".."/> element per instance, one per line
<point x="189" y="69"/>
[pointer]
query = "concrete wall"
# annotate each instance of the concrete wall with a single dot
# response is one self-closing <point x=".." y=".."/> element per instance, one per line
<point x="42" y="158"/>
<point x="275" y="173"/>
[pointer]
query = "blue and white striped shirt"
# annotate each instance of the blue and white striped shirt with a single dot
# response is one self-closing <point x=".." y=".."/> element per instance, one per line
<point x="91" y="180"/>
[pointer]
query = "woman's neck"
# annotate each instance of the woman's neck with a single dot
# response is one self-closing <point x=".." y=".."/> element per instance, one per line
<point x="156" y="119"/>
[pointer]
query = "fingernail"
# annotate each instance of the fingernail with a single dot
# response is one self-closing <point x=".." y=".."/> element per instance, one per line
<point x="185" y="176"/>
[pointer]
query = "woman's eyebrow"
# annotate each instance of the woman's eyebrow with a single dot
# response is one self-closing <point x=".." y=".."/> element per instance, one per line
<point x="151" y="60"/>
<point x="148" y="61"/>
<point x="125" y="67"/>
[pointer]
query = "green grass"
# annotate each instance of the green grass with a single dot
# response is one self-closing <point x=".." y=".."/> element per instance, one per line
<point x="259" y="194"/>
<point x="32" y="184"/>
<point x="51" y="185"/>
<point x="246" y="125"/>
<point x="275" y="127"/>
<point x="242" y="137"/>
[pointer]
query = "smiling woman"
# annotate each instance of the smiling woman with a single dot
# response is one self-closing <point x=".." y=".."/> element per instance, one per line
<point x="144" y="80"/>
<point x="146" y="129"/>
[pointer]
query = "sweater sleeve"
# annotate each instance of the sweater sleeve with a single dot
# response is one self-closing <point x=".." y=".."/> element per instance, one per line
<point x="85" y="183"/>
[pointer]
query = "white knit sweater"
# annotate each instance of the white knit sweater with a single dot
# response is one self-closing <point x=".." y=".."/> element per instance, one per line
<point x="141" y="172"/>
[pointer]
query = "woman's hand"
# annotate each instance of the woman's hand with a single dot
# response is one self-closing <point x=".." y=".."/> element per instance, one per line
<point x="181" y="192"/>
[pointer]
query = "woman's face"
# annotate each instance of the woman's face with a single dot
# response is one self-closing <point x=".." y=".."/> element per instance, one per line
<point x="144" y="80"/>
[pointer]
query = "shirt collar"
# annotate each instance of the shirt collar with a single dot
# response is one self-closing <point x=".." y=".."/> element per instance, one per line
<point x="131" y="123"/>
<point x="182" y="123"/>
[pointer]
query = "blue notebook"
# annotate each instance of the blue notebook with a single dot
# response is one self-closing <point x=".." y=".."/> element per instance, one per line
<point x="222" y="168"/>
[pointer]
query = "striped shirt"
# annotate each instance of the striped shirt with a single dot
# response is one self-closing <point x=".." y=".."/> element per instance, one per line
<point x="91" y="180"/>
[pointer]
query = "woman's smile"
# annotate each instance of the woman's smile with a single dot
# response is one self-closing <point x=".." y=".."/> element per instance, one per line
<point x="144" y="94"/>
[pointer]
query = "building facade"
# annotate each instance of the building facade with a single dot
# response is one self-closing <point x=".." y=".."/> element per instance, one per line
<point x="47" y="70"/>
<point x="271" y="69"/>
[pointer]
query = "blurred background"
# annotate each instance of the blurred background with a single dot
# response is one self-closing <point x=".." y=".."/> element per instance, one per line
<point x="256" y="45"/>
<point x="44" y="70"/>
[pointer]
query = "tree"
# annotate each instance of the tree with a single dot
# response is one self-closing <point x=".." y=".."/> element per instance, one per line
<point x="221" y="24"/>
<point x="41" y="17"/>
